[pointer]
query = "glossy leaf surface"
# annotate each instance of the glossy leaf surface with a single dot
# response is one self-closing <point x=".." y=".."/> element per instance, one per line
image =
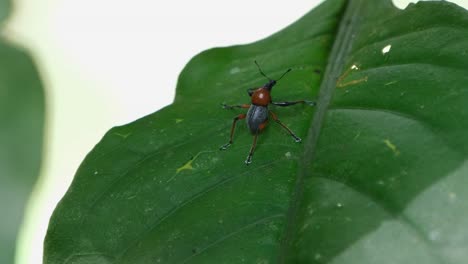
<point x="381" y="169"/>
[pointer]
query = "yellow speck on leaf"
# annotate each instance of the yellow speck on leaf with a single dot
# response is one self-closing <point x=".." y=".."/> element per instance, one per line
<point x="178" y="120"/>
<point x="340" y="83"/>
<point x="390" y="83"/>
<point x="187" y="166"/>
<point x="391" y="146"/>
<point x="123" y="135"/>
<point x="357" y="135"/>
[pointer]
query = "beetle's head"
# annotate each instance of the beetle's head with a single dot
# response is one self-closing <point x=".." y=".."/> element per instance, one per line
<point x="271" y="82"/>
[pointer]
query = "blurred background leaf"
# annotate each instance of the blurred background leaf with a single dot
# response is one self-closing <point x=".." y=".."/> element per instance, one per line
<point x="4" y="9"/>
<point x="21" y="136"/>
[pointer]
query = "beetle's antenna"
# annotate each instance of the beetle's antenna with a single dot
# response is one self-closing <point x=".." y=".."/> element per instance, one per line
<point x="259" y="69"/>
<point x="284" y="74"/>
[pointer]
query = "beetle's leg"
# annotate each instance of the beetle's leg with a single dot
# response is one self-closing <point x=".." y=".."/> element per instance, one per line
<point x="252" y="149"/>
<point x="296" y="138"/>
<point x="225" y="106"/>
<point x="254" y="144"/>
<point x="225" y="146"/>
<point x="312" y="103"/>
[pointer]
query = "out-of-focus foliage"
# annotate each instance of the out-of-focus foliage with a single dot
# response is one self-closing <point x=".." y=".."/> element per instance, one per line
<point x="21" y="136"/>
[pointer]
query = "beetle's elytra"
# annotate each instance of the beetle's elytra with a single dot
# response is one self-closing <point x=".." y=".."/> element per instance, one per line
<point x="258" y="114"/>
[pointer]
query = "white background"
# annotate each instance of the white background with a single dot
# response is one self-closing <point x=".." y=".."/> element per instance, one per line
<point x="109" y="62"/>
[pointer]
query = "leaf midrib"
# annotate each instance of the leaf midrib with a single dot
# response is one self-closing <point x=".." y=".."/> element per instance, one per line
<point x="340" y="50"/>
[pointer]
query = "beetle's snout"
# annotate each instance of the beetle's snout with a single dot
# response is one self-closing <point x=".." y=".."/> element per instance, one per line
<point x="270" y="85"/>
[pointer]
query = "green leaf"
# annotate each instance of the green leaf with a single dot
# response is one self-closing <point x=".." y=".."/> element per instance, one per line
<point x="21" y="134"/>
<point x="386" y="184"/>
<point x="379" y="177"/>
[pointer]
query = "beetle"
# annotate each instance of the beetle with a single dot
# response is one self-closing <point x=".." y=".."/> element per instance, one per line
<point x="258" y="114"/>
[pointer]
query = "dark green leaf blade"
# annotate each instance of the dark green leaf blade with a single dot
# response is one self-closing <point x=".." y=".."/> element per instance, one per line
<point x="387" y="182"/>
<point x="160" y="190"/>
<point x="384" y="184"/>
<point x="21" y="135"/>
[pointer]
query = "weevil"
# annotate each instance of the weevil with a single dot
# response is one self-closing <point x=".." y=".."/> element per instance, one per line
<point x="258" y="114"/>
